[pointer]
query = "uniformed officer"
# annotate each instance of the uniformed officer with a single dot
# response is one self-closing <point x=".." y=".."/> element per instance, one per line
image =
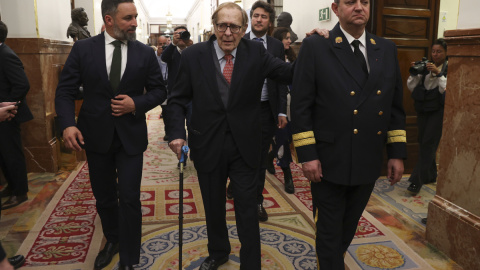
<point x="348" y="109"/>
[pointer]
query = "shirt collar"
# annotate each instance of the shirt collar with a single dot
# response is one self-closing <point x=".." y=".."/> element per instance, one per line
<point x="350" y="38"/>
<point x="109" y="39"/>
<point x="264" y="37"/>
<point x="219" y="51"/>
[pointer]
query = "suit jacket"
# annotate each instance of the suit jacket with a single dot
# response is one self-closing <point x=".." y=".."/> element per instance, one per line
<point x="210" y="121"/>
<point x="277" y="92"/>
<point x="172" y="57"/>
<point x="14" y="84"/>
<point x="339" y="117"/>
<point x="86" y="65"/>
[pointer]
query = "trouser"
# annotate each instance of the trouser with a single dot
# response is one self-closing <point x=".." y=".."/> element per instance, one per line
<point x="12" y="159"/>
<point x="118" y="202"/>
<point x="429" y="135"/>
<point x="212" y="185"/>
<point x="281" y="146"/>
<point x="336" y="210"/>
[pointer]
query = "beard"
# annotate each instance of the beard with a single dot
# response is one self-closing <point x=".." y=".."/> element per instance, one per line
<point x="124" y="35"/>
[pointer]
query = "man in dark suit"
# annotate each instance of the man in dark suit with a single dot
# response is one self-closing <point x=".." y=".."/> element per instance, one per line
<point x="223" y="78"/>
<point x="114" y="69"/>
<point x="14" y="87"/>
<point x="347" y="107"/>
<point x="274" y="95"/>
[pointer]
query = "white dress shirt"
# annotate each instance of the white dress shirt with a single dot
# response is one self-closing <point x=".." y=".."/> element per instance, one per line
<point x="109" y="53"/>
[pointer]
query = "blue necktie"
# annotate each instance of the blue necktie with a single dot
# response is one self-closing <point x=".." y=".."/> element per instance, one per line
<point x="258" y="39"/>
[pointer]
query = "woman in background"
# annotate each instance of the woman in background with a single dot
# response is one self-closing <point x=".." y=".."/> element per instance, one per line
<point x="428" y="91"/>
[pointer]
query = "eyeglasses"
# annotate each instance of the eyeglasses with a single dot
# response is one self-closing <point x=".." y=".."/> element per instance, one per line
<point x="222" y="27"/>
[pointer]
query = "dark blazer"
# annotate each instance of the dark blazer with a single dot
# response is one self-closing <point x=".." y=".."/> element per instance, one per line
<point x="14" y="84"/>
<point x="341" y="119"/>
<point x="197" y="82"/>
<point x="86" y="65"/>
<point x="172" y="57"/>
<point x="277" y="92"/>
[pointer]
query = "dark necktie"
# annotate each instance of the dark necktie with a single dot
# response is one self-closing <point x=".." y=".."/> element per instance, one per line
<point x="116" y="67"/>
<point x="360" y="56"/>
<point x="228" y="69"/>
<point x="258" y="39"/>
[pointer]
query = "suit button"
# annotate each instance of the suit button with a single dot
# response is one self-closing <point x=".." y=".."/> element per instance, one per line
<point x="355" y="111"/>
<point x="379" y="133"/>
<point x="352" y="93"/>
<point x="380" y="113"/>
<point x="355" y="131"/>
<point x="379" y="92"/>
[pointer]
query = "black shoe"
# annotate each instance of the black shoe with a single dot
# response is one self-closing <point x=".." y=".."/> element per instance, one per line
<point x="424" y="221"/>
<point x="17" y="261"/>
<point x="262" y="213"/>
<point x="270" y="167"/>
<point x="414" y="188"/>
<point x="165" y="138"/>
<point x="161" y="115"/>
<point x="287" y="177"/>
<point x="125" y="267"/>
<point x="14" y="201"/>
<point x="212" y="264"/>
<point x="105" y="256"/>
<point x="230" y="191"/>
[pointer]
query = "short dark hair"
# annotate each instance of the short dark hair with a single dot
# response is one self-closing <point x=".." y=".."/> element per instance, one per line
<point x="3" y="32"/>
<point x="109" y="7"/>
<point x="266" y="6"/>
<point x="76" y="13"/>
<point x="180" y="27"/>
<point x="441" y="42"/>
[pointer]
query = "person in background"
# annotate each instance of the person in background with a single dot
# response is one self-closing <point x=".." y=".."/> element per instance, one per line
<point x="347" y="106"/>
<point x="14" y="87"/>
<point x="428" y="92"/>
<point x="274" y="95"/>
<point x="283" y="136"/>
<point x="161" y="45"/>
<point x="7" y="112"/>
<point x="120" y="87"/>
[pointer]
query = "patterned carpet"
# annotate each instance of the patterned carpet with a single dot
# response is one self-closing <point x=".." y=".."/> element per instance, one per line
<point x="67" y="235"/>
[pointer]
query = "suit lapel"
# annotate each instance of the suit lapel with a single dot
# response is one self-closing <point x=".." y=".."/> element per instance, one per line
<point x="205" y="60"/>
<point x="345" y="55"/>
<point x="375" y="59"/>
<point x="99" y="53"/>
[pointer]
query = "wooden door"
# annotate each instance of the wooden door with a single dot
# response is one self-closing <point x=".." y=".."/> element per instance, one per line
<point x="412" y="25"/>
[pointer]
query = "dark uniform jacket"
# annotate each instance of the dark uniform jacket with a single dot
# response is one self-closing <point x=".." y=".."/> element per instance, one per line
<point x="210" y="121"/>
<point x="341" y="119"/>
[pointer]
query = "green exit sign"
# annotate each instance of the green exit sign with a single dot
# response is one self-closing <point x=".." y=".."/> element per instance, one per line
<point x="324" y="14"/>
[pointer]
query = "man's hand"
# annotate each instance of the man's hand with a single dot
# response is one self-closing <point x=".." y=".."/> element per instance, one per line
<point x="394" y="170"/>
<point x="312" y="170"/>
<point x="70" y="137"/>
<point x="122" y="104"/>
<point x="176" y="146"/>
<point x="7" y="112"/>
<point x="322" y="32"/>
<point x="282" y="121"/>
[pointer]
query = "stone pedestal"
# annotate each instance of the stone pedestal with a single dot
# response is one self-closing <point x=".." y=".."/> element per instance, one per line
<point x="454" y="214"/>
<point x="42" y="59"/>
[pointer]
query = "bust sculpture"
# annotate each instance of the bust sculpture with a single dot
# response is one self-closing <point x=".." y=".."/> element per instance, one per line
<point x="77" y="29"/>
<point x="285" y="20"/>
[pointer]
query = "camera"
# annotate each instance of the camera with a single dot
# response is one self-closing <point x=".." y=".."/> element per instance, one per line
<point x="185" y="35"/>
<point x="420" y="67"/>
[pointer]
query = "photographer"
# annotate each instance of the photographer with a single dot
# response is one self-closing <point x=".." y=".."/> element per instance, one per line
<point x="427" y="82"/>
<point x="172" y="55"/>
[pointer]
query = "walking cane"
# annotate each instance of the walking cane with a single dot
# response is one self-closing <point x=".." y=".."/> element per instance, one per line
<point x="180" y="211"/>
